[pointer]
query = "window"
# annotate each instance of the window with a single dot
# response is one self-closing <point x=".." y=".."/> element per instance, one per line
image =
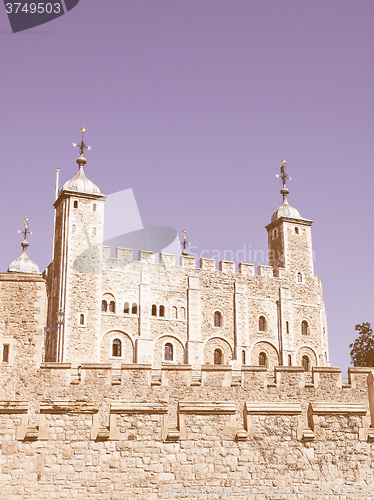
<point x="134" y="308"/>
<point x="218" y="357"/>
<point x="299" y="278"/>
<point x="162" y="311"/>
<point x="93" y="232"/>
<point x="174" y="313"/>
<point x="154" y="310"/>
<point x="104" y="306"/>
<point x="262" y="359"/>
<point x="126" y="308"/>
<point x="75" y="205"/>
<point x="304" y="328"/>
<point x="296" y="230"/>
<point x="305" y="363"/>
<point x="262" y="324"/>
<point x="275" y="233"/>
<point x="287" y="327"/>
<point x="289" y="360"/>
<point x="217" y="319"/>
<point x="112" y="306"/>
<point x="94" y="207"/>
<point x="81" y="319"/>
<point x="182" y="313"/>
<point x="168" y="352"/>
<point x="243" y="357"/>
<point x="5" y="353"/>
<point x="117" y="348"/>
<point x="74" y="229"/>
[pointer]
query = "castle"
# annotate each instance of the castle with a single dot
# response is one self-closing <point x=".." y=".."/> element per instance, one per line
<point x="126" y="377"/>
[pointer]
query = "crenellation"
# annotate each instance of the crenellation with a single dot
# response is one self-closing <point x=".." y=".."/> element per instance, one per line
<point x="207" y="264"/>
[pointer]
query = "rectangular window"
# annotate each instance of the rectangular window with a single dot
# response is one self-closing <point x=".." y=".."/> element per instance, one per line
<point x="6" y="353"/>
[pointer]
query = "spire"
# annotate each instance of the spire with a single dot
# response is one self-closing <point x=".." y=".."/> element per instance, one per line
<point x="23" y="264"/>
<point x="284" y="177"/>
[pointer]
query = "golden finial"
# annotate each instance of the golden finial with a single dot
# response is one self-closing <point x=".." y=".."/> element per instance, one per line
<point x="25" y="231"/>
<point x="283" y="176"/>
<point x="185" y="242"/>
<point x="82" y="145"/>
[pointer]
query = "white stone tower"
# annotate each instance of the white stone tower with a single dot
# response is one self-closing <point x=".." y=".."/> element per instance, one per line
<point x="74" y="277"/>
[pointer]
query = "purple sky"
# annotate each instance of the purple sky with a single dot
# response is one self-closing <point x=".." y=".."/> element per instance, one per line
<point x="193" y="104"/>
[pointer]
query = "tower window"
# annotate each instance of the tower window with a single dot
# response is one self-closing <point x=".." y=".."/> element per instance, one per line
<point x="305" y="363"/>
<point x="275" y="233"/>
<point x="117" y="348"/>
<point x="218" y="357"/>
<point x="296" y="230"/>
<point x="182" y="313"/>
<point x="75" y="204"/>
<point x="112" y="306"/>
<point x="154" y="310"/>
<point x="94" y="232"/>
<point x="134" y="308"/>
<point x="162" y="311"/>
<point x="5" y="353"/>
<point x="74" y="229"/>
<point x="94" y="207"/>
<point x="299" y="278"/>
<point x="174" y="313"/>
<point x="81" y="319"/>
<point x="243" y="357"/>
<point x="287" y="327"/>
<point x="262" y="324"/>
<point x="168" y="352"/>
<point x="262" y="359"/>
<point x="289" y="360"/>
<point x="126" y="308"/>
<point x="304" y="328"/>
<point x="104" y="306"/>
<point x="217" y="319"/>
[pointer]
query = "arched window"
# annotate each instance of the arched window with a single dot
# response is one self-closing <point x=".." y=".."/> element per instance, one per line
<point x="104" y="306"/>
<point x="296" y="230"/>
<point x="243" y="357"/>
<point x="262" y="359"/>
<point x="75" y="205"/>
<point x="94" y="206"/>
<point x="289" y="360"/>
<point x="117" y="348"/>
<point x="287" y="327"/>
<point x="126" y="308"/>
<point x="262" y="324"/>
<point x="174" y="313"/>
<point x="81" y="319"/>
<point x="134" y="308"/>
<point x="218" y="357"/>
<point x="217" y="319"/>
<point x="299" y="278"/>
<point x="304" y="328"/>
<point x="154" y="310"/>
<point x="112" y="306"/>
<point x="168" y="352"/>
<point x="162" y="311"/>
<point x="305" y="363"/>
<point x="93" y="232"/>
<point x="182" y="313"/>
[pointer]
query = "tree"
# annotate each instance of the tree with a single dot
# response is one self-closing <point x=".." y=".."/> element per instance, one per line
<point x="362" y="349"/>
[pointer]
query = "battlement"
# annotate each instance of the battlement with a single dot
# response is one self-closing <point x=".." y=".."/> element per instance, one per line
<point x="125" y="255"/>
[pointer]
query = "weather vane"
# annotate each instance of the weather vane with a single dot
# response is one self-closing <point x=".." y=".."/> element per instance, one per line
<point x="185" y="242"/>
<point x="283" y="176"/>
<point x="82" y="145"/>
<point x="25" y="231"/>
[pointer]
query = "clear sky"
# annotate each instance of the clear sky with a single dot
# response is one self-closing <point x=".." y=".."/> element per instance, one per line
<point x="193" y="104"/>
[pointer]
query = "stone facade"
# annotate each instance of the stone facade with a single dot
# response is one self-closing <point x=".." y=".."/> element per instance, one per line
<point x="126" y="378"/>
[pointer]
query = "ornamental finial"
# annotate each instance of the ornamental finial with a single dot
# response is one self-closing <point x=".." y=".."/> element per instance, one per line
<point x="25" y="232"/>
<point x="82" y="145"/>
<point x="284" y="177"/>
<point x="185" y="242"/>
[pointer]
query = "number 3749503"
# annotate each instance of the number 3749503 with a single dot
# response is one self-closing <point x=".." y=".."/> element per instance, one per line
<point x="33" y="8"/>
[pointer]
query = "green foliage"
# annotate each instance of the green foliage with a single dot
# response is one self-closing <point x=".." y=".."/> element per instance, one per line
<point x="362" y="349"/>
